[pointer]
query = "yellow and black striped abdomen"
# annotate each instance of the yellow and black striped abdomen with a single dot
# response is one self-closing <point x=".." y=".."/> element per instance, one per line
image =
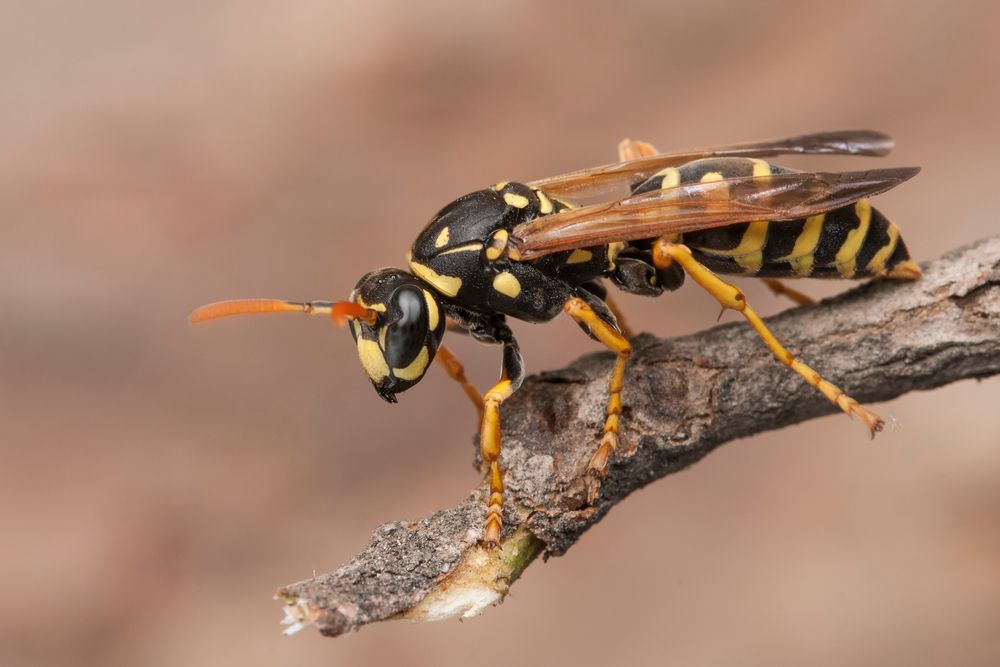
<point x="854" y="241"/>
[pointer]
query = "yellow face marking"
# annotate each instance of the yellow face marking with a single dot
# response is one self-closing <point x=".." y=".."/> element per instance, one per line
<point x="468" y="247"/>
<point x="500" y="186"/>
<point x="671" y="177"/>
<point x="416" y="367"/>
<point x="497" y="245"/>
<point x="544" y="203"/>
<point x="801" y="256"/>
<point x="356" y="326"/>
<point x="382" y="333"/>
<point x="442" y="238"/>
<point x="380" y="307"/>
<point x="371" y="358"/>
<point x="877" y="263"/>
<point x="447" y="285"/>
<point x="517" y="201"/>
<point x="579" y="256"/>
<point x="507" y="284"/>
<point x="614" y="249"/>
<point x="749" y="254"/>
<point x="433" y="316"/>
<point x="760" y="168"/>
<point x="846" y="259"/>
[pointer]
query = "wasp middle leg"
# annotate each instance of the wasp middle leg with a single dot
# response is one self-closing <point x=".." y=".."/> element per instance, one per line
<point x="604" y="331"/>
<point x="665" y="253"/>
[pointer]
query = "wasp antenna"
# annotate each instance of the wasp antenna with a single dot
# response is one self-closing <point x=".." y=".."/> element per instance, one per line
<point x="345" y="310"/>
<point x="246" y="307"/>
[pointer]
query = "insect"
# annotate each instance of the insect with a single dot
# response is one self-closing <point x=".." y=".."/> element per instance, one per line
<point x="531" y="251"/>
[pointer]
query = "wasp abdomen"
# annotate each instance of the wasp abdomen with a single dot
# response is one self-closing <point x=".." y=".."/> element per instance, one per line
<point x="854" y="241"/>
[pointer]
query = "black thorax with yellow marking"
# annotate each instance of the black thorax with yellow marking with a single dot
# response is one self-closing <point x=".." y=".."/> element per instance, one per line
<point x="462" y="254"/>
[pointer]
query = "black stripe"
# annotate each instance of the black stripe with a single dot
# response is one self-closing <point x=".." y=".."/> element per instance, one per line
<point x="838" y="223"/>
<point x="877" y="238"/>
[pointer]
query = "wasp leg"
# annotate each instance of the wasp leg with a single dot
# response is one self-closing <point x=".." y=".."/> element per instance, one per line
<point x="489" y="435"/>
<point x="781" y="289"/>
<point x="633" y="149"/>
<point x="453" y="367"/>
<point x="603" y="331"/>
<point x="666" y="253"/>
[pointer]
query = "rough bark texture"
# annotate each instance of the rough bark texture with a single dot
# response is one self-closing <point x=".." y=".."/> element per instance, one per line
<point x="683" y="398"/>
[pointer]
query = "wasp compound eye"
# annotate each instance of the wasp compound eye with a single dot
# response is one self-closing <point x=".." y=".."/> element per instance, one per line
<point x="406" y="336"/>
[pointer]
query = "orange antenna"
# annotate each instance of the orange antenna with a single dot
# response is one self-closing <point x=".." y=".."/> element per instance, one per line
<point x="340" y="311"/>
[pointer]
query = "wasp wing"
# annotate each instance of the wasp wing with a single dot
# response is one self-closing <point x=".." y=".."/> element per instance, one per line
<point x="695" y="206"/>
<point x="614" y="181"/>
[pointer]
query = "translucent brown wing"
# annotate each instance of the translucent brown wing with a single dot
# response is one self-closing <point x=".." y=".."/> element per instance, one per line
<point x="614" y="181"/>
<point x="694" y="206"/>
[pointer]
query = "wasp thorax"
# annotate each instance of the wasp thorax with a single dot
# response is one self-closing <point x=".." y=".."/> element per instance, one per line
<point x="398" y="348"/>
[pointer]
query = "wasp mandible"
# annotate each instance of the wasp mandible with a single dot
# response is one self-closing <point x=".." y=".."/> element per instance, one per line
<point x="531" y="251"/>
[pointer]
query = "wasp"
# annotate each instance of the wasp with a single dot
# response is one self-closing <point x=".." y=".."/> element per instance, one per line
<point x="530" y="251"/>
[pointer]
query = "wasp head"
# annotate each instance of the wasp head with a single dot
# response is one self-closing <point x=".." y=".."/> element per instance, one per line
<point x="398" y="340"/>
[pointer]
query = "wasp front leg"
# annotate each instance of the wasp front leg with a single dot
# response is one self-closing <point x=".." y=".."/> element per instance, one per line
<point x="601" y="328"/>
<point x="453" y="367"/>
<point x="666" y="253"/>
<point x="489" y="437"/>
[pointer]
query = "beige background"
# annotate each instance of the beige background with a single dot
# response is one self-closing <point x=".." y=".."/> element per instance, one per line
<point x="158" y="482"/>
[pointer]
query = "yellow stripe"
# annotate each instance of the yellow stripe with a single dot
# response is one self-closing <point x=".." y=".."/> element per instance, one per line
<point x="846" y="259"/>
<point x="468" y="247"/>
<point x="877" y="263"/>
<point x="614" y="249"/>
<point x="544" y="203"/>
<point x="760" y="168"/>
<point x="671" y="177"/>
<point x="371" y="358"/>
<point x="447" y="285"/>
<point x="801" y="256"/>
<point x="579" y="256"/>
<point x="416" y="367"/>
<point x="442" y="238"/>
<point x="380" y="307"/>
<point x="433" y="315"/>
<point x="711" y="177"/>
<point x="749" y="254"/>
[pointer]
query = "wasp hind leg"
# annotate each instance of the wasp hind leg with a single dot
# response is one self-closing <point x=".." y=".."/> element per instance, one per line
<point x="600" y="328"/>
<point x="665" y="253"/>
<point x="781" y="289"/>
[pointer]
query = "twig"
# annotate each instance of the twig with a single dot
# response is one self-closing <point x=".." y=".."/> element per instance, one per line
<point x="683" y="397"/>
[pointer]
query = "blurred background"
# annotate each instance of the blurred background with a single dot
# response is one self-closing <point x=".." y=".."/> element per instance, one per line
<point x="158" y="482"/>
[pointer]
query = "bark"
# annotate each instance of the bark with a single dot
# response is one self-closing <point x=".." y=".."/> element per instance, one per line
<point x="683" y="398"/>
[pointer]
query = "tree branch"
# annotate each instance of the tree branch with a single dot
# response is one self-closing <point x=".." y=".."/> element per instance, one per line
<point x="683" y="398"/>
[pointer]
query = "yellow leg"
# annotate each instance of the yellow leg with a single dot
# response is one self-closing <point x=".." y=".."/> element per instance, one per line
<point x="489" y="448"/>
<point x="453" y="367"/>
<point x="665" y="253"/>
<point x="781" y="289"/>
<point x="581" y="312"/>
